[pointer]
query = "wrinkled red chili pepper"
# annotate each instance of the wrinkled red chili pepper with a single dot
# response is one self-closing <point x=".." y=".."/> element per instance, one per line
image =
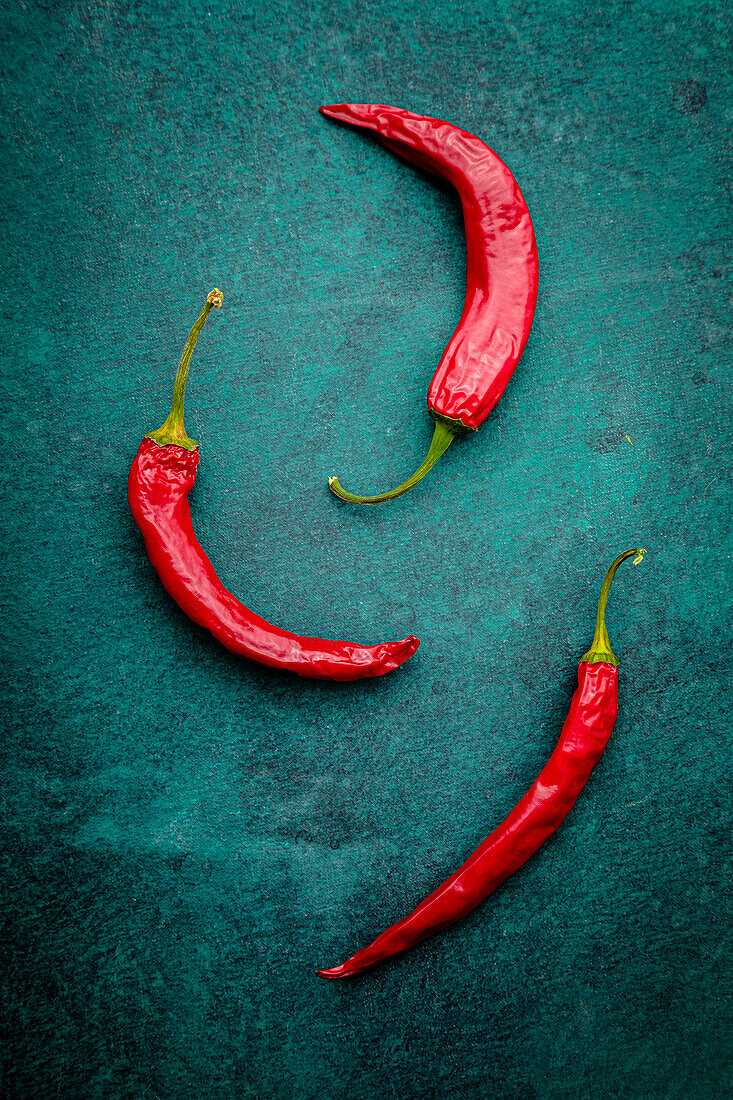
<point x="161" y="477"/>
<point x="501" y="272"/>
<point x="543" y="809"/>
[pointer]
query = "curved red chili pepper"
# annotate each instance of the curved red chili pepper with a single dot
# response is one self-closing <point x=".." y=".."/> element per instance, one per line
<point x="543" y="809"/>
<point x="161" y="477"/>
<point x="501" y="272"/>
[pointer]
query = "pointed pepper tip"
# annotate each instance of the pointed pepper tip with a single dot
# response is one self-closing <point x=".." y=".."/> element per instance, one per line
<point x="333" y="972"/>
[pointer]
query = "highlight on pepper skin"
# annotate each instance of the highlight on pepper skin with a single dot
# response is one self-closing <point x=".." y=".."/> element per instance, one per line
<point x="501" y="273"/>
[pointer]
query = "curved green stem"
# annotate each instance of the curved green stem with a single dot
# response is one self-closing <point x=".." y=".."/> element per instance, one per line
<point x="601" y="648"/>
<point x="443" y="436"/>
<point x="173" y="430"/>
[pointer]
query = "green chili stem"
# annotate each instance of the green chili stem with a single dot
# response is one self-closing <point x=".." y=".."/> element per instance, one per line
<point x="443" y="436"/>
<point x="601" y="648"/>
<point x="173" y="430"/>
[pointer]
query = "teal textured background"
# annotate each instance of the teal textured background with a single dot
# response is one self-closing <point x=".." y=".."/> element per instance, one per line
<point x="188" y="836"/>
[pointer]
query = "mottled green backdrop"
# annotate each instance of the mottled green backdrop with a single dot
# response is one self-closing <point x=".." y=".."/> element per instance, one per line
<point x="188" y="836"/>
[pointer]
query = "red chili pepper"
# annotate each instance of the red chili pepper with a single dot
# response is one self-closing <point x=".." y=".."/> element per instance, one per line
<point x="161" y="477"/>
<point x="536" y="817"/>
<point x="501" y="272"/>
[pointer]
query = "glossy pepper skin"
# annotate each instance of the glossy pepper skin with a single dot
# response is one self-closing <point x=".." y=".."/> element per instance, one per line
<point x="501" y="270"/>
<point x="536" y="816"/>
<point x="161" y="477"/>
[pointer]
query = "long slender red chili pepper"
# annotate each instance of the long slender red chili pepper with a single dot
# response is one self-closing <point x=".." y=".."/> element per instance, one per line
<point x="543" y="809"/>
<point x="501" y="272"/>
<point x="161" y="477"/>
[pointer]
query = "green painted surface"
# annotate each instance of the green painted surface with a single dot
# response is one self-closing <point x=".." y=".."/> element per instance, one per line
<point x="186" y="836"/>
